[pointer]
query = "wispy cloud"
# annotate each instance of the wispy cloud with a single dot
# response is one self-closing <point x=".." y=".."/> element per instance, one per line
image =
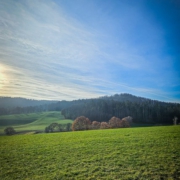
<point x="46" y="53"/>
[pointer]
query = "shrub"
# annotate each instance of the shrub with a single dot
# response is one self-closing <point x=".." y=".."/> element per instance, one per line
<point x="53" y="127"/>
<point x="9" y="131"/>
<point x="47" y="130"/>
<point x="68" y="127"/>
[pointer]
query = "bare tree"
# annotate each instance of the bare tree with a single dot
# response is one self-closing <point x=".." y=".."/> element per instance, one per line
<point x="175" y="120"/>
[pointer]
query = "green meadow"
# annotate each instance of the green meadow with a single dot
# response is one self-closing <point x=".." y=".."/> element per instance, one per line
<point x="32" y="121"/>
<point x="148" y="153"/>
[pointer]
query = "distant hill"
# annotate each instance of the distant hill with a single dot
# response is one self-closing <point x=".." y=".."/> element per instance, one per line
<point x="125" y="97"/>
<point x="121" y="105"/>
<point x="32" y="121"/>
<point x="9" y="102"/>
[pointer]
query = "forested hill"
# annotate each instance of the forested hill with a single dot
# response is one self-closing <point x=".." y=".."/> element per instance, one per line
<point x="9" y="102"/>
<point x="125" y="97"/>
<point x="103" y="108"/>
<point x="122" y="105"/>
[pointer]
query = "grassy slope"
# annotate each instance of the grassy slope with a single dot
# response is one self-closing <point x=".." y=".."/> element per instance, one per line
<point x="32" y="121"/>
<point x="18" y="119"/>
<point x="132" y="153"/>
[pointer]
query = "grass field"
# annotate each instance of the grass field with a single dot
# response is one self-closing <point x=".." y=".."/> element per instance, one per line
<point x="32" y="121"/>
<point x="129" y="153"/>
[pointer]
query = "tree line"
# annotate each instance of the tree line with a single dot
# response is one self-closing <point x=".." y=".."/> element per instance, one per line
<point x="142" y="110"/>
<point x="83" y="123"/>
<point x="102" y="109"/>
<point x="55" y="127"/>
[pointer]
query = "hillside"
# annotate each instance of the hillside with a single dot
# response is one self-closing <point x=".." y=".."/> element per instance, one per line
<point x="32" y="121"/>
<point x="9" y="102"/>
<point x="122" y="105"/>
<point x="125" y="97"/>
<point x="142" y="110"/>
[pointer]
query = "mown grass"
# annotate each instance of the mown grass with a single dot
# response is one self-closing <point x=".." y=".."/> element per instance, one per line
<point x="132" y="153"/>
<point x="32" y="121"/>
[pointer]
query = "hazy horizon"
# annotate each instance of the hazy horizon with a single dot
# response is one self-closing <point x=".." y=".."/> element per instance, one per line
<point x="66" y="50"/>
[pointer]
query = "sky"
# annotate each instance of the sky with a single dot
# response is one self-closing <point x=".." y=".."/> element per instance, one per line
<point x="66" y="50"/>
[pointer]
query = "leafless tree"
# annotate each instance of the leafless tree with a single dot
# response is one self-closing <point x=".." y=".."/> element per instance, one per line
<point x="175" y="120"/>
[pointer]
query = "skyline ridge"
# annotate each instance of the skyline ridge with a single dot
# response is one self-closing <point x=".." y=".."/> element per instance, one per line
<point x="100" y="97"/>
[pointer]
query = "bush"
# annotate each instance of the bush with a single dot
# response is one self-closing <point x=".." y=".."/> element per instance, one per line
<point x="68" y="127"/>
<point x="124" y="123"/>
<point x="53" y="127"/>
<point x="9" y="131"/>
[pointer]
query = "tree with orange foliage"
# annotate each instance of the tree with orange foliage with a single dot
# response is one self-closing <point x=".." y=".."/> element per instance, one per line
<point x="81" y="123"/>
<point x="129" y="119"/>
<point x="95" y="125"/>
<point x="104" y="125"/>
<point x="125" y="123"/>
<point x="115" y="122"/>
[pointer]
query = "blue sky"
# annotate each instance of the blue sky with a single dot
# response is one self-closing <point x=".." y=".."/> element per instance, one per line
<point x="64" y="49"/>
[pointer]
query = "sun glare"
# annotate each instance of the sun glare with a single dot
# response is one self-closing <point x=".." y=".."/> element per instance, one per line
<point x="2" y="76"/>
